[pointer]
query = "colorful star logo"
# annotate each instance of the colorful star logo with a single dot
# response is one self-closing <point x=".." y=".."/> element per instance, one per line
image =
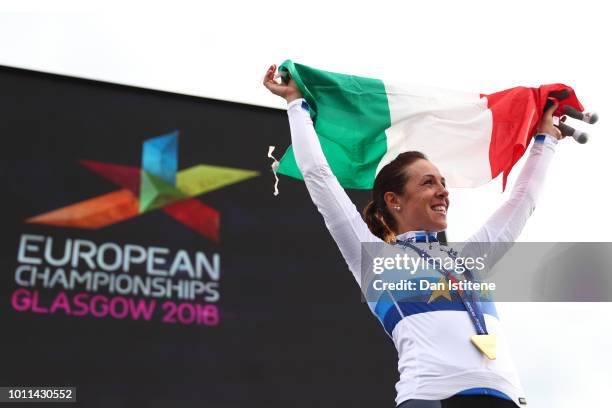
<point x="156" y="185"/>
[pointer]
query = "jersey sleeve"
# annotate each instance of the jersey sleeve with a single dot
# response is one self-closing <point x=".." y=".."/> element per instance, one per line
<point x="499" y="232"/>
<point x="341" y="217"/>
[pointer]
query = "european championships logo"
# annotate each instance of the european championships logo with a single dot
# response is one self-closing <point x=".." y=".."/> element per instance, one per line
<point x="155" y="185"/>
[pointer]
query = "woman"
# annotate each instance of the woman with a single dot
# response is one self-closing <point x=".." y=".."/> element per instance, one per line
<point x="438" y="365"/>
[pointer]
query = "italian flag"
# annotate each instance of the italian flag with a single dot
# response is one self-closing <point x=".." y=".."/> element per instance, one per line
<point x="364" y="123"/>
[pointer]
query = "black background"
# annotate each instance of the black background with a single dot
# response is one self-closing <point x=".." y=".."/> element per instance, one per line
<point x="293" y="330"/>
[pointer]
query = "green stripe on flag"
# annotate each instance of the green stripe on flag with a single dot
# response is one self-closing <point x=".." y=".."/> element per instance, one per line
<point x="350" y="115"/>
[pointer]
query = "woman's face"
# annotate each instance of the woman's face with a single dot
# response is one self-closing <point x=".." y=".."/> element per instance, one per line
<point x="424" y="203"/>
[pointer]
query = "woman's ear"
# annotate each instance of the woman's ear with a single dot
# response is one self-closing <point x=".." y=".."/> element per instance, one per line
<point x="391" y="199"/>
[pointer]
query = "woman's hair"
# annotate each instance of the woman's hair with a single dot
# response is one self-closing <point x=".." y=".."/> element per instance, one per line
<point x="391" y="178"/>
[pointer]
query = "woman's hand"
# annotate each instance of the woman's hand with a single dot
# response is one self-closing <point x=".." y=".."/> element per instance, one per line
<point x="546" y="123"/>
<point x="288" y="91"/>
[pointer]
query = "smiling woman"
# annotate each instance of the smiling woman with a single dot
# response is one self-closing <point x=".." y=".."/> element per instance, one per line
<point x="408" y="185"/>
<point x="434" y="335"/>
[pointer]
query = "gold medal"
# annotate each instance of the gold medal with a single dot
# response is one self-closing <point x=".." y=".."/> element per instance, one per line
<point x="487" y="344"/>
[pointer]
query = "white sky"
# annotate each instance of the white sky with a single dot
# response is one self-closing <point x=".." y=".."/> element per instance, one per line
<point x="221" y="50"/>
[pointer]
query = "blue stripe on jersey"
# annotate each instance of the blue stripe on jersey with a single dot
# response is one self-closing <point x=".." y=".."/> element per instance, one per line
<point x="485" y="391"/>
<point x="389" y="315"/>
<point x="385" y="302"/>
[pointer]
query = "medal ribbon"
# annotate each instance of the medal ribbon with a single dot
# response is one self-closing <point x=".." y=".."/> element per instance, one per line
<point x="471" y="305"/>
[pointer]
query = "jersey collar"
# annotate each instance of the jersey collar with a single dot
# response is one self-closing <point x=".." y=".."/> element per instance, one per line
<point x="418" y="236"/>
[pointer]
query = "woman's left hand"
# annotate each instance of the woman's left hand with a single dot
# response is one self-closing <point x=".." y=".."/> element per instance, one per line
<point x="546" y="124"/>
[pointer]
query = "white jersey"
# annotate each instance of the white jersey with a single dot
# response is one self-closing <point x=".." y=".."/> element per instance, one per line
<point x="436" y="358"/>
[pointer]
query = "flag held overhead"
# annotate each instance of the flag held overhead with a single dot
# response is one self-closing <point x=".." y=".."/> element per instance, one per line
<point x="364" y="123"/>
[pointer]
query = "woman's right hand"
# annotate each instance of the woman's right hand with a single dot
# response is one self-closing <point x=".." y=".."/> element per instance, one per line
<point x="288" y="91"/>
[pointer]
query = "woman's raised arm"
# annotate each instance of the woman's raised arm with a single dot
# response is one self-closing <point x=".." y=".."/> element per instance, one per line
<point x="341" y="217"/>
<point x="500" y="231"/>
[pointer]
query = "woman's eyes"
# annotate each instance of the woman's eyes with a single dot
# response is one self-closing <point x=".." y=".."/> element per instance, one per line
<point x="430" y="181"/>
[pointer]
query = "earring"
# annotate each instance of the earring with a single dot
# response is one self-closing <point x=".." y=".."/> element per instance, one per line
<point x="397" y="207"/>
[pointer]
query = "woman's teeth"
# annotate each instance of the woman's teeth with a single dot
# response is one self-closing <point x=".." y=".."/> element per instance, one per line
<point x="439" y="209"/>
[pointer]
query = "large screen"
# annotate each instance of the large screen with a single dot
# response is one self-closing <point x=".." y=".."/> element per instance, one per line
<point x="147" y="262"/>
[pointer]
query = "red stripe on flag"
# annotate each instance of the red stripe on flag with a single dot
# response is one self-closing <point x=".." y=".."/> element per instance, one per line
<point x="516" y="113"/>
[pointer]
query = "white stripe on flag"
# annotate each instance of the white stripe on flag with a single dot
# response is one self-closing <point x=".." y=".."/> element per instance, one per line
<point x="452" y="128"/>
